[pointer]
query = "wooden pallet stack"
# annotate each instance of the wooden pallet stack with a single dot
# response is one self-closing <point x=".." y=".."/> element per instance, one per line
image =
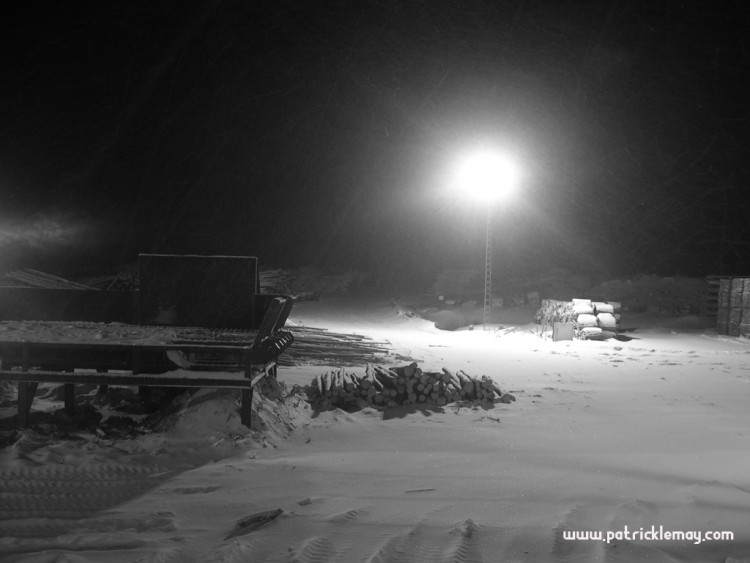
<point x="735" y="306"/>
<point x="722" y="313"/>
<point x="733" y="315"/>
<point x="711" y="302"/>
<point x="744" y="329"/>
<point x="405" y="385"/>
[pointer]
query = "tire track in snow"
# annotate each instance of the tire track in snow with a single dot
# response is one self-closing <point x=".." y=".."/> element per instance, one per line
<point x="333" y="538"/>
<point x="72" y="492"/>
<point x="40" y="506"/>
<point x="317" y="549"/>
<point x="430" y="543"/>
<point x="581" y="518"/>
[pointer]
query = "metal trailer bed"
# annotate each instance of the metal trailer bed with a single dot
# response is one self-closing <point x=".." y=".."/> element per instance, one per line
<point x="147" y="362"/>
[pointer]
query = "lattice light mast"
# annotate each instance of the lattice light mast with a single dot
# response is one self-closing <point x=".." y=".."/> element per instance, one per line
<point x="489" y="177"/>
<point x="488" y="273"/>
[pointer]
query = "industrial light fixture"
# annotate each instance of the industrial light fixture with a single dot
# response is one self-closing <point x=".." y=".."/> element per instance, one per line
<point x="487" y="176"/>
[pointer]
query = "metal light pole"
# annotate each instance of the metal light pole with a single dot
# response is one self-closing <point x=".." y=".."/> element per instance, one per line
<point x="487" y="176"/>
<point x="488" y="271"/>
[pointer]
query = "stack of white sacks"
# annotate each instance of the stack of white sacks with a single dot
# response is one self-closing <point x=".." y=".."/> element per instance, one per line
<point x="596" y="319"/>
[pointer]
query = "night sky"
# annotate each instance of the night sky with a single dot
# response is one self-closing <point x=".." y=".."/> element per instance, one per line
<point x="324" y="133"/>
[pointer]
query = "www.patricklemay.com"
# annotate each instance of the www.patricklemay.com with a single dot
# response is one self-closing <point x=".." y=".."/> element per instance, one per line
<point x="647" y="534"/>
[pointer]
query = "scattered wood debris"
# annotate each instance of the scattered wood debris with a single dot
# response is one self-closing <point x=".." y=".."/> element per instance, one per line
<point x="406" y="385"/>
<point x="253" y="522"/>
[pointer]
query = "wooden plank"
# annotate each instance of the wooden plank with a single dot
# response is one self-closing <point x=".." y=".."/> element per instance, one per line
<point x="169" y="379"/>
<point x="269" y="320"/>
<point x="118" y="355"/>
<point x="35" y="278"/>
<point x="257" y="377"/>
<point x="266" y="330"/>
<point x="122" y="346"/>
<point x="284" y="315"/>
<point x="140" y="358"/>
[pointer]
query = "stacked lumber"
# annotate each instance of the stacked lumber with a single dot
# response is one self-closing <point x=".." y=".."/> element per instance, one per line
<point x="34" y="278"/>
<point x="124" y="280"/>
<point x="275" y="281"/>
<point x="406" y="385"/>
<point x="318" y="346"/>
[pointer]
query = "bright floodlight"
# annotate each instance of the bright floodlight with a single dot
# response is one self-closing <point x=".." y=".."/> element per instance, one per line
<point x="487" y="176"/>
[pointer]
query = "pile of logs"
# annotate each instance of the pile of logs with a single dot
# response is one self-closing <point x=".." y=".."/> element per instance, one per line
<point x="406" y="385"/>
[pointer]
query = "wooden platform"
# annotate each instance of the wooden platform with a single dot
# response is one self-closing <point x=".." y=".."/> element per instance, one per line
<point x="28" y="382"/>
<point x="130" y="355"/>
<point x="31" y="363"/>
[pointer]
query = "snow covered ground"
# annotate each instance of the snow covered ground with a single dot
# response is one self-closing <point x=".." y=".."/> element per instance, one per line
<point x="634" y="440"/>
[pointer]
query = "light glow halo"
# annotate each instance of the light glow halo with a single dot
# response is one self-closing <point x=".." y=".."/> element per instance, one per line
<point x="486" y="176"/>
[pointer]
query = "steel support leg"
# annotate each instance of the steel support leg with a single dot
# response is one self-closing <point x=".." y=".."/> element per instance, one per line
<point x="246" y="406"/>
